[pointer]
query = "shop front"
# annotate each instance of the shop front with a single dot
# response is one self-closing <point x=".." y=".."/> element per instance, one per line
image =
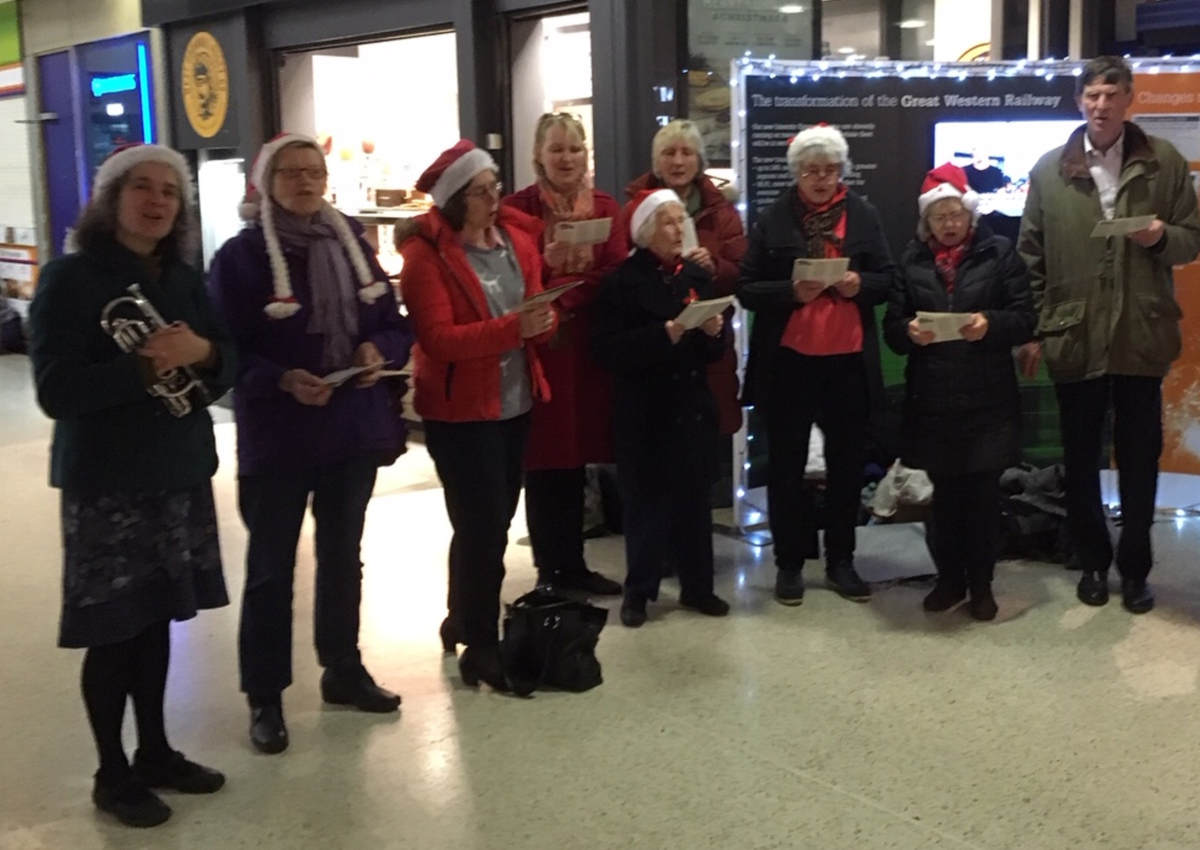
<point x="385" y="88"/>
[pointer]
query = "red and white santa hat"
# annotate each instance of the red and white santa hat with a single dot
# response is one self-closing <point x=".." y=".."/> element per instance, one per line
<point x="947" y="181"/>
<point x="453" y="169"/>
<point x="283" y="302"/>
<point x="645" y="204"/>
<point x="126" y="157"/>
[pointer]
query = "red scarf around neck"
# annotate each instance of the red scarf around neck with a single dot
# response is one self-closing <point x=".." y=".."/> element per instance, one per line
<point x="947" y="260"/>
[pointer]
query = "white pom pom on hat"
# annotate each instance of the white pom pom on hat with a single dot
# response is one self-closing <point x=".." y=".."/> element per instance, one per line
<point x="283" y="302"/>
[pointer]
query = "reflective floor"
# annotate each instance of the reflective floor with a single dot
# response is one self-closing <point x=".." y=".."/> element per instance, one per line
<point x="832" y="725"/>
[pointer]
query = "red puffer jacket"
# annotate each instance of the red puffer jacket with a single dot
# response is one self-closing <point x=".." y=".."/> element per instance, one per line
<point x="719" y="229"/>
<point x="575" y="428"/>
<point x="456" y="360"/>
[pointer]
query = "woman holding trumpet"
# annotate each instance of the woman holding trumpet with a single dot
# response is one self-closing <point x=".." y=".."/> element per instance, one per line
<point x="127" y="354"/>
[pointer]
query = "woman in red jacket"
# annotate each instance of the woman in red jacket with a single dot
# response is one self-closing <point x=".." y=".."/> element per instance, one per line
<point x="469" y="265"/>
<point x="678" y="163"/>
<point x="573" y="428"/>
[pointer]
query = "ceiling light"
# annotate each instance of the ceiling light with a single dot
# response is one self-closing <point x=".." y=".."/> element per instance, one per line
<point x="114" y="110"/>
<point x="845" y="51"/>
<point x="911" y="24"/>
<point x="791" y="9"/>
<point x="931" y="42"/>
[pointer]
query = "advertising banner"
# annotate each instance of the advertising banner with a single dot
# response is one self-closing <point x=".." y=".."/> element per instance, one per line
<point x="1168" y="106"/>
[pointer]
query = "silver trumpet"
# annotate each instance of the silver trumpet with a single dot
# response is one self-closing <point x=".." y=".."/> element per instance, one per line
<point x="130" y="320"/>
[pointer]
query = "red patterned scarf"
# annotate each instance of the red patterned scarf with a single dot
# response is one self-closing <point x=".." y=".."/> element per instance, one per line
<point x="821" y="225"/>
<point x="558" y="207"/>
<point x="947" y="260"/>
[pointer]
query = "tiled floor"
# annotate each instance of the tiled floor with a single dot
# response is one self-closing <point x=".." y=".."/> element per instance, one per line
<point x="833" y="725"/>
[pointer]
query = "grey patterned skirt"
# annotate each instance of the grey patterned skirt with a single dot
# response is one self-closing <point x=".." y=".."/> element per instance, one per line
<point x="134" y="559"/>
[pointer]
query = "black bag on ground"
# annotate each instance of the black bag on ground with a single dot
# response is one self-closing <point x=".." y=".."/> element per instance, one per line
<point x="550" y="641"/>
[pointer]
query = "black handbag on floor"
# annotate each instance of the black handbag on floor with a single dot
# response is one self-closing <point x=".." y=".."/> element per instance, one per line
<point x="550" y="641"/>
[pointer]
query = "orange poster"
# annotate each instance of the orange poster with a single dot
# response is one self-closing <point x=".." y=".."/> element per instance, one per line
<point x="1168" y="106"/>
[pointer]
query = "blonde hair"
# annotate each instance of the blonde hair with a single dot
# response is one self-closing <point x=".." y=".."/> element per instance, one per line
<point x="565" y="120"/>
<point x="679" y="130"/>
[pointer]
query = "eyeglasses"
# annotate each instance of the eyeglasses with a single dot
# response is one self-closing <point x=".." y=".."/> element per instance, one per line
<point x="480" y="192"/>
<point x="826" y="173"/>
<point x="294" y="173"/>
<point x="949" y="218"/>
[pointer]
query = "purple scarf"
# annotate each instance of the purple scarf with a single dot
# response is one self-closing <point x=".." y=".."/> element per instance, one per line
<point x="334" y="308"/>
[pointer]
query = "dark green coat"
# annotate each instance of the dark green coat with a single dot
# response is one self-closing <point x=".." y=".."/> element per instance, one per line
<point x="110" y="434"/>
<point x="1107" y="306"/>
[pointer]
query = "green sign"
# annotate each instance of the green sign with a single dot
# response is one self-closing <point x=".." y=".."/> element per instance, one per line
<point x="10" y="33"/>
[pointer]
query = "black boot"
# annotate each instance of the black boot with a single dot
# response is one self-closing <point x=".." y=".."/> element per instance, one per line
<point x="583" y="581"/>
<point x="633" y="611"/>
<point x="450" y="636"/>
<point x="130" y="802"/>
<point x="982" y="605"/>
<point x="352" y="685"/>
<point x="789" y="586"/>
<point x="846" y="581"/>
<point x="268" y="733"/>
<point x="1136" y="596"/>
<point x="482" y="664"/>
<point x="176" y="773"/>
<point x="1093" y="587"/>
<point x="709" y="604"/>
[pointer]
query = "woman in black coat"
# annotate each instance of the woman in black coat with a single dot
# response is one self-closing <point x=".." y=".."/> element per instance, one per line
<point x="814" y="356"/>
<point x="962" y="407"/>
<point x="665" y="417"/>
<point x="139" y="527"/>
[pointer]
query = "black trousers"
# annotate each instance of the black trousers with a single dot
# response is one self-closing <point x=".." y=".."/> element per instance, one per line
<point x="666" y="511"/>
<point x="965" y="528"/>
<point x="1137" y="443"/>
<point x="479" y="464"/>
<point x="832" y="392"/>
<point x="273" y="507"/>
<point x="554" y="513"/>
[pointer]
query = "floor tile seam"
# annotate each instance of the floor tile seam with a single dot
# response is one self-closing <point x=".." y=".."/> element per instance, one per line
<point x="814" y="779"/>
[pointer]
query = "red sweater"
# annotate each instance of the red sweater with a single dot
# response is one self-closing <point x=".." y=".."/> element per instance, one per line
<point x="456" y="360"/>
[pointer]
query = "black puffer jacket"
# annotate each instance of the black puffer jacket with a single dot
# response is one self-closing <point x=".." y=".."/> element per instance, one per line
<point x="962" y="407"/>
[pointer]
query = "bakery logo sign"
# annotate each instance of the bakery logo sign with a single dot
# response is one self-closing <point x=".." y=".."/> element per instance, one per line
<point x="204" y="81"/>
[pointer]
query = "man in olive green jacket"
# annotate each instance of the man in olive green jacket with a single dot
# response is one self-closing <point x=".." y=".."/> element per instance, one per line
<point x="1108" y="321"/>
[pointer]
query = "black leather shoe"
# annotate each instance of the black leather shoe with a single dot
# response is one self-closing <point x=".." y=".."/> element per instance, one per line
<point x="983" y="604"/>
<point x="450" y="636"/>
<point x="354" y="686"/>
<point x="584" y="581"/>
<point x="1093" y="588"/>
<point x="130" y="802"/>
<point x="944" y="596"/>
<point x="483" y="665"/>
<point x="710" y="605"/>
<point x="177" y="773"/>
<point x="789" y="587"/>
<point x="846" y="581"/>
<point x="1136" y="596"/>
<point x="633" y="612"/>
<point x="267" y="732"/>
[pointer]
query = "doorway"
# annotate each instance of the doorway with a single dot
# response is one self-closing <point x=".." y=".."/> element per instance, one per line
<point x="551" y="60"/>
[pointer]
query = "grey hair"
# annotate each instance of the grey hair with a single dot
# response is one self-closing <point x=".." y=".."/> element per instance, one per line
<point x="646" y="232"/>
<point x="679" y="130"/>
<point x="819" y="142"/>
<point x="97" y="224"/>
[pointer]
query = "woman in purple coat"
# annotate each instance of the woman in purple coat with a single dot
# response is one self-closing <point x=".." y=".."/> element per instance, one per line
<point x="305" y="297"/>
